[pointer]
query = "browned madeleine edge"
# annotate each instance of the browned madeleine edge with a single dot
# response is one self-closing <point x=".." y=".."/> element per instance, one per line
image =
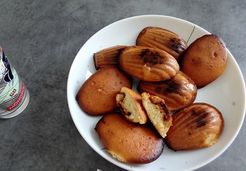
<point x="219" y="133"/>
<point x="141" y="160"/>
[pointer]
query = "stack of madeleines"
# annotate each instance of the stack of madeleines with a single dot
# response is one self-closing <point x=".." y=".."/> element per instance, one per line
<point x="135" y="124"/>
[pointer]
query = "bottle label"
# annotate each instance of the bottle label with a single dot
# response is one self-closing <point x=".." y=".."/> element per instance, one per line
<point x="12" y="89"/>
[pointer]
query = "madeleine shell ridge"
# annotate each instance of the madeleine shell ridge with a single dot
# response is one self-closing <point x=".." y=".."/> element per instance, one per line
<point x="163" y="39"/>
<point x="196" y="126"/>
<point x="148" y="64"/>
<point x="178" y="92"/>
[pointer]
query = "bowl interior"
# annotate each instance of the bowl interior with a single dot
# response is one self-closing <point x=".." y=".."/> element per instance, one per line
<point x="227" y="93"/>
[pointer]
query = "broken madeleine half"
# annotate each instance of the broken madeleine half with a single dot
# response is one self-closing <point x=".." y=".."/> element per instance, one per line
<point x="196" y="126"/>
<point x="157" y="113"/>
<point x="130" y="104"/>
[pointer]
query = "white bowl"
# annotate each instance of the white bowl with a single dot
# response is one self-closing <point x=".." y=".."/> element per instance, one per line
<point x="227" y="93"/>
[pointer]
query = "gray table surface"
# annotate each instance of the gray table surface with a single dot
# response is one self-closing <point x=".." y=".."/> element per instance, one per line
<point x="41" y="38"/>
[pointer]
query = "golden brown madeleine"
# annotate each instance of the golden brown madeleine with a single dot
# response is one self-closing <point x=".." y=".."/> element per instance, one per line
<point x="148" y="64"/>
<point x="157" y="113"/>
<point x="108" y="56"/>
<point x="204" y="60"/>
<point x="97" y="94"/>
<point x="196" y="126"/>
<point x="130" y="103"/>
<point x="128" y="142"/>
<point x="178" y="92"/>
<point x="163" y="39"/>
